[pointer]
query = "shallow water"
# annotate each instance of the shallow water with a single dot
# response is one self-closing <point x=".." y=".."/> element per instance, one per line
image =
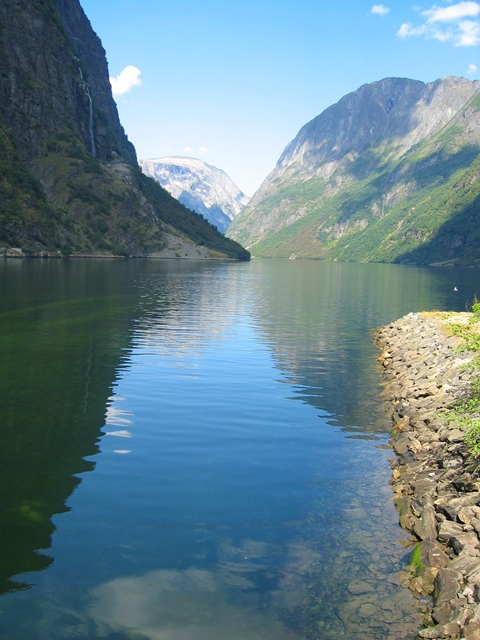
<point x="200" y="451"/>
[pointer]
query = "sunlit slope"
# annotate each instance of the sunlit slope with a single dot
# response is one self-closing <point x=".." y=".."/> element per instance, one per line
<point x="390" y="173"/>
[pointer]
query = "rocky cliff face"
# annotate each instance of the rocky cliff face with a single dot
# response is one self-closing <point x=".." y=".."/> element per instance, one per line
<point x="381" y="175"/>
<point x="53" y="73"/>
<point x="199" y="186"/>
<point x="70" y="178"/>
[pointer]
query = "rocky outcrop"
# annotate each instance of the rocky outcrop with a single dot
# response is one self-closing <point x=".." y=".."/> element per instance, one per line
<point x="435" y="480"/>
<point x="373" y="178"/>
<point x="199" y="186"/>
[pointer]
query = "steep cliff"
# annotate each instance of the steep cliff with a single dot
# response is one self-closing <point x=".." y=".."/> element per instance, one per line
<point x="389" y="173"/>
<point x="69" y="177"/>
<point x="199" y="186"/>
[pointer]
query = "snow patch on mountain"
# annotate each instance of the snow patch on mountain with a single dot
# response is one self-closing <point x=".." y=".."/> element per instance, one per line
<point x="199" y="186"/>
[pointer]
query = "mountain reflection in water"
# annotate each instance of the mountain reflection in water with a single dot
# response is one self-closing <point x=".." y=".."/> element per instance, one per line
<point x="159" y="476"/>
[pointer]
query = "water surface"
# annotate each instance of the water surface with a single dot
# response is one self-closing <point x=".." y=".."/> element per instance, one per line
<point x="199" y="451"/>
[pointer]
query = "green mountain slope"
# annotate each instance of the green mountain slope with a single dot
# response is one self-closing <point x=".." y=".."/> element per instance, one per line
<point x="389" y="174"/>
<point x="69" y="177"/>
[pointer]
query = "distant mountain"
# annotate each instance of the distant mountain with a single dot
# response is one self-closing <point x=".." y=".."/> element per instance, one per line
<point x="390" y="174"/>
<point x="199" y="186"/>
<point x="69" y="178"/>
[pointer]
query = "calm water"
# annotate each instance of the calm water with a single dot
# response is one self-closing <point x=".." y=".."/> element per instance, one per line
<point x="199" y="451"/>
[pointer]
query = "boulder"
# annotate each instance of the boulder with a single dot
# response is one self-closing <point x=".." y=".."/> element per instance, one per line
<point x="426" y="526"/>
<point x="447" y="585"/>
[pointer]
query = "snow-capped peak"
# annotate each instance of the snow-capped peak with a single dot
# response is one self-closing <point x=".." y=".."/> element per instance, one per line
<point x="199" y="186"/>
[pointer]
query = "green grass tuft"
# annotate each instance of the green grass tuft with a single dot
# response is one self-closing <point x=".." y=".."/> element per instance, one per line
<point x="465" y="414"/>
<point x="415" y="562"/>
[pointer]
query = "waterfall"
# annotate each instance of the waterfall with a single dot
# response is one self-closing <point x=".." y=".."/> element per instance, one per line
<point x="93" y="149"/>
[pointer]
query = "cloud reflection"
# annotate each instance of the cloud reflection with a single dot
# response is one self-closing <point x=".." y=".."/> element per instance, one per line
<point x="178" y="605"/>
<point x="119" y="434"/>
<point x="117" y="416"/>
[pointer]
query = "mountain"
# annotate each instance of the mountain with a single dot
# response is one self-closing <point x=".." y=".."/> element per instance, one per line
<point x="199" y="186"/>
<point x="388" y="174"/>
<point x="69" y="177"/>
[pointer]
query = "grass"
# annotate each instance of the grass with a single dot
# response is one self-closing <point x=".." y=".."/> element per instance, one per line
<point x="465" y="414"/>
<point x="414" y="562"/>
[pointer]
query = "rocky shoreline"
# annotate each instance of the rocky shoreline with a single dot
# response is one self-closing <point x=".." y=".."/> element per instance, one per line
<point x="436" y="482"/>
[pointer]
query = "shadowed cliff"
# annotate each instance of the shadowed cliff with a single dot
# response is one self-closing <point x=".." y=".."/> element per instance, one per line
<point x="69" y="178"/>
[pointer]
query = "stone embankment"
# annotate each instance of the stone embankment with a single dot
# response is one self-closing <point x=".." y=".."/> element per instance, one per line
<point x="435" y="480"/>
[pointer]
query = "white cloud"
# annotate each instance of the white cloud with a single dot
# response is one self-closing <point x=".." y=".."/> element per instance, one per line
<point x="441" y="36"/>
<point x="380" y="10"/>
<point x="454" y="13"/>
<point x="472" y="69"/>
<point x="201" y="151"/>
<point x="469" y="33"/>
<point x="407" y="29"/>
<point x="459" y="22"/>
<point x="125" y="82"/>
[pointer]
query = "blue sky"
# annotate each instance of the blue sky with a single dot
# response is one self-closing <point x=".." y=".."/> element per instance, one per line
<point x="233" y="82"/>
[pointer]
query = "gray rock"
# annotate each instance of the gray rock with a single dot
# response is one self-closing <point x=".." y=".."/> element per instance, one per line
<point x="466" y="563"/>
<point x="426" y="486"/>
<point x="359" y="587"/>
<point x="466" y="515"/>
<point x="449" y="630"/>
<point x="449" y="530"/>
<point x="426" y="526"/>
<point x="456" y="435"/>
<point x="473" y="572"/>
<point x="472" y="631"/>
<point x="447" y="585"/>
<point x="443" y="614"/>
<point x="453" y="504"/>
<point x="433" y="555"/>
